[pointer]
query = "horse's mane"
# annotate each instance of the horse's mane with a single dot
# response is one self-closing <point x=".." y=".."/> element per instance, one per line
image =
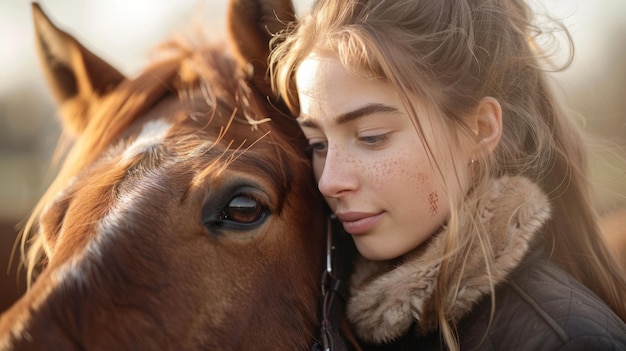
<point x="184" y="65"/>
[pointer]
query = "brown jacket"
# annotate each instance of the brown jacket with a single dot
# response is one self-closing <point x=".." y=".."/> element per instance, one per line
<point x="537" y="305"/>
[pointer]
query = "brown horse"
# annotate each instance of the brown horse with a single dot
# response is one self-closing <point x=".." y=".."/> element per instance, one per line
<point x="185" y="215"/>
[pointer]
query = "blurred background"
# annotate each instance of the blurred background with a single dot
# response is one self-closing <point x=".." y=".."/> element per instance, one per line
<point x="123" y="32"/>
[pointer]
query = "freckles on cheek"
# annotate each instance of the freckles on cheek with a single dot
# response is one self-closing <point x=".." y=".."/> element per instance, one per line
<point x="433" y="203"/>
<point x="384" y="172"/>
<point x="433" y="197"/>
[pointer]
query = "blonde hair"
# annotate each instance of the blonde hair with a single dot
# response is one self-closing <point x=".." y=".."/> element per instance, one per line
<point x="453" y="54"/>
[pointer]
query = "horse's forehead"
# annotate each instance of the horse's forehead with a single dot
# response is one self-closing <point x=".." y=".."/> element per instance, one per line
<point x="174" y="138"/>
<point x="152" y="134"/>
<point x="183" y="136"/>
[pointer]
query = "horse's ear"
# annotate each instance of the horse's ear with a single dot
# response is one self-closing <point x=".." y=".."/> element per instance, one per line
<point x="251" y="25"/>
<point x="76" y="75"/>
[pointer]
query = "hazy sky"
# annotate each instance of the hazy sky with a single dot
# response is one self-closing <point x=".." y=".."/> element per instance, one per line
<point x="125" y="30"/>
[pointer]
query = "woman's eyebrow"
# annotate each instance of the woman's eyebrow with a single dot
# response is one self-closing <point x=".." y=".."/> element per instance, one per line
<point x="369" y="109"/>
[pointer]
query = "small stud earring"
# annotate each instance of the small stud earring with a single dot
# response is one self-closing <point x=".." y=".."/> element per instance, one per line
<point x="472" y="162"/>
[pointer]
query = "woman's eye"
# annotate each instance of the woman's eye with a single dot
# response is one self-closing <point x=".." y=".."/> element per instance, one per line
<point x="244" y="210"/>
<point x="374" y="139"/>
<point x="318" y="147"/>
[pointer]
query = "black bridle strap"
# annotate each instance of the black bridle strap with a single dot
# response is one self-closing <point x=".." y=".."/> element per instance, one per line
<point x="333" y="309"/>
<point x="333" y="303"/>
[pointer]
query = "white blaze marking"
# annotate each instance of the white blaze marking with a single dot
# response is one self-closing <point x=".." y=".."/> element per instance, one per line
<point x="152" y="134"/>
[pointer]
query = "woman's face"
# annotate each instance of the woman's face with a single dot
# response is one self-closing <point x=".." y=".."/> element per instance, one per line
<point x="370" y="163"/>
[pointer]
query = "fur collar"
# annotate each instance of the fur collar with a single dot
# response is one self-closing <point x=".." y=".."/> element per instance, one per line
<point x="387" y="299"/>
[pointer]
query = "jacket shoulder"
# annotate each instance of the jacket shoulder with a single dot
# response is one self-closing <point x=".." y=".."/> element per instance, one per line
<point x="541" y="307"/>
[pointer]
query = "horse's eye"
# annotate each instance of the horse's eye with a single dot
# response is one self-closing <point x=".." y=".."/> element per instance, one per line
<point x="243" y="209"/>
<point x="238" y="209"/>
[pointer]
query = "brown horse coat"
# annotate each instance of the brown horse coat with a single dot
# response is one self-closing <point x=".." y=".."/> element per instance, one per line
<point x="185" y="215"/>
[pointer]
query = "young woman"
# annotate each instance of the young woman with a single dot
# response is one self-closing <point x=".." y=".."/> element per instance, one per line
<point x="438" y="144"/>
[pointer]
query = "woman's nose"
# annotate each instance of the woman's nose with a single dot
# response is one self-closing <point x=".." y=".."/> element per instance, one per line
<point x="339" y="176"/>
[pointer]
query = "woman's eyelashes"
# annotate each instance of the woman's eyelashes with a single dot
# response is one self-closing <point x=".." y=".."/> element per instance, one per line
<point x="318" y="147"/>
<point x="374" y="140"/>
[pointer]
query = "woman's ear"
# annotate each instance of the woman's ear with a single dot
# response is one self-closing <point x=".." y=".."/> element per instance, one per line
<point x="487" y="124"/>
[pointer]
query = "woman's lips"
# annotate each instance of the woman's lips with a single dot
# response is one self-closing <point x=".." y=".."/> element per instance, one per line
<point x="359" y="222"/>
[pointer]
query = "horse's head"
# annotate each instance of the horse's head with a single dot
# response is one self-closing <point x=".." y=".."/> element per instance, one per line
<point x="185" y="215"/>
